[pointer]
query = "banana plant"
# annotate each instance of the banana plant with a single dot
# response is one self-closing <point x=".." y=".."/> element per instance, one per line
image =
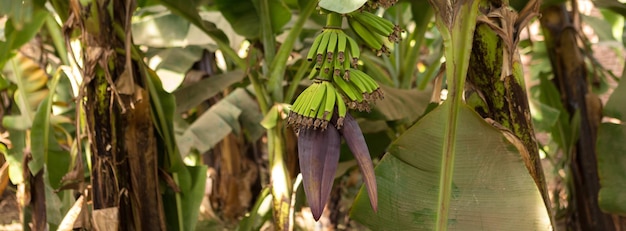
<point x="438" y="175"/>
<point x="320" y="115"/>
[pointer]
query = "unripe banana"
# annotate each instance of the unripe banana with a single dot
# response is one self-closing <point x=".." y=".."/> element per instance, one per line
<point x="326" y="71"/>
<point x="342" y="42"/>
<point x="308" y="93"/>
<point x="314" y="46"/>
<point x="355" y="52"/>
<point x="346" y="69"/>
<point x="318" y="114"/>
<point x="303" y="119"/>
<point x="321" y="49"/>
<point x="341" y="109"/>
<point x="338" y="65"/>
<point x="313" y="73"/>
<point x="372" y="40"/>
<point x="376" y="24"/>
<point x="373" y="93"/>
<point x="318" y="97"/>
<point x="331" y="99"/>
<point x="295" y="115"/>
<point x="358" y="83"/>
<point x="332" y="44"/>
<point x="346" y="88"/>
<point x="365" y="79"/>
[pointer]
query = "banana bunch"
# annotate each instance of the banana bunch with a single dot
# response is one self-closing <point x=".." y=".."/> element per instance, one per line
<point x="360" y="90"/>
<point x="315" y="106"/>
<point x="334" y="53"/>
<point x="337" y="86"/>
<point x="373" y="29"/>
<point x="337" y="83"/>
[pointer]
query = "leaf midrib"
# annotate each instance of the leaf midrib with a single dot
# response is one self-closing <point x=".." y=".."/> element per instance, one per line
<point x="458" y="43"/>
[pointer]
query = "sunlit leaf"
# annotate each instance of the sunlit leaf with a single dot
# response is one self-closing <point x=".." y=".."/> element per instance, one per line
<point x="251" y="116"/>
<point x="161" y="30"/>
<point x="491" y="188"/>
<point x="342" y="6"/>
<point x="601" y="28"/>
<point x="188" y="9"/>
<point x="15" y="38"/>
<point x="235" y="111"/>
<point x="614" y="5"/>
<point x="211" y="127"/>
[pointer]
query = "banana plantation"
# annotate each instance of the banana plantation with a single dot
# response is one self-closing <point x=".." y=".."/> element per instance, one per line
<point x="312" y="115"/>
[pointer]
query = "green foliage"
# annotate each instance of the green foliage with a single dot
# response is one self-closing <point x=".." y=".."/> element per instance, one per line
<point x="486" y="173"/>
<point x="16" y="37"/>
<point x="450" y="168"/>
<point x="220" y="120"/>
<point x="244" y="16"/>
<point x="611" y="150"/>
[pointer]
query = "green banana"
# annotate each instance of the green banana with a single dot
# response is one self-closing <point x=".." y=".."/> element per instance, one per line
<point x="325" y="72"/>
<point x="318" y="114"/>
<point x="346" y="88"/>
<point x="372" y="40"/>
<point x="296" y="114"/>
<point x="355" y="52"/>
<point x="373" y="89"/>
<point x="356" y="81"/>
<point x="341" y="109"/>
<point x="332" y="44"/>
<point x="376" y="24"/>
<point x="331" y="98"/>
<point x="380" y="20"/>
<point x="341" y="46"/>
<point x="365" y="79"/>
<point x="321" y="49"/>
<point x="313" y="50"/>
<point x="338" y="66"/>
<point x="346" y="69"/>
<point x="304" y="111"/>
<point x="318" y="97"/>
<point x="313" y="73"/>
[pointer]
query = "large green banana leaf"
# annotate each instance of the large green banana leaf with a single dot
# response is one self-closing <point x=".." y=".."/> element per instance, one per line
<point x="491" y="188"/>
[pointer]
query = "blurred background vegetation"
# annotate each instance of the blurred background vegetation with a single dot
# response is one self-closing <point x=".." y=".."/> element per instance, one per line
<point x="165" y="114"/>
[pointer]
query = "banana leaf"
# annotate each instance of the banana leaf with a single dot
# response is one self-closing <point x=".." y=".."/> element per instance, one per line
<point x="490" y="186"/>
<point x="611" y="151"/>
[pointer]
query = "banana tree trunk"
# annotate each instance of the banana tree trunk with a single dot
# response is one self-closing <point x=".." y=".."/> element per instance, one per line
<point x="495" y="83"/>
<point x="570" y="77"/>
<point x="117" y="110"/>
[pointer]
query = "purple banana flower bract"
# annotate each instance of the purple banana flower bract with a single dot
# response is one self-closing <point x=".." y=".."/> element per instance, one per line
<point x="318" y="151"/>
<point x="351" y="132"/>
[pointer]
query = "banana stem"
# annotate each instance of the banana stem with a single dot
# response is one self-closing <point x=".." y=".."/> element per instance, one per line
<point x="334" y="20"/>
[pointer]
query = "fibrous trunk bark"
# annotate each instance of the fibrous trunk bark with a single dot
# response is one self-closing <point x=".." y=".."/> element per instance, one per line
<point x="117" y="109"/>
<point x="570" y="77"/>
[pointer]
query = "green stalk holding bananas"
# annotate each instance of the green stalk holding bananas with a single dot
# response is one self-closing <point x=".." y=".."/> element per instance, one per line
<point x="338" y="85"/>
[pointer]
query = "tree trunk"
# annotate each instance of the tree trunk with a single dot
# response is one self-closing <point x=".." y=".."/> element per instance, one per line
<point x="117" y="110"/>
<point x="570" y="77"/>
